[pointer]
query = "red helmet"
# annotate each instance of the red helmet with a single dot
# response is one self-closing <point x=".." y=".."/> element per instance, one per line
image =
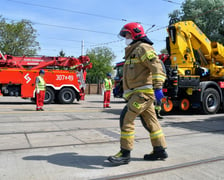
<point x="135" y="29"/>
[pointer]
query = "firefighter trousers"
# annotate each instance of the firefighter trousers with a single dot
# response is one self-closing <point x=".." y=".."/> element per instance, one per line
<point x="140" y="104"/>
<point x="40" y="100"/>
<point x="106" y="101"/>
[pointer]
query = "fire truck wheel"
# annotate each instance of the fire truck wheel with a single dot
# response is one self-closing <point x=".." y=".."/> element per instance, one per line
<point x="184" y="104"/>
<point x="49" y="96"/>
<point x="167" y="106"/>
<point x="210" y="101"/>
<point x="66" y="96"/>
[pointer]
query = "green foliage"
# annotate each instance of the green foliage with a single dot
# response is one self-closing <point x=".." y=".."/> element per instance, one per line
<point x="101" y="59"/>
<point x="62" y="53"/>
<point x="208" y="15"/>
<point x="18" y="38"/>
<point x="164" y="51"/>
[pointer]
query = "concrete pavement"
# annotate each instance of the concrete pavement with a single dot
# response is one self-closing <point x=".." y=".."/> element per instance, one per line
<point x="74" y="141"/>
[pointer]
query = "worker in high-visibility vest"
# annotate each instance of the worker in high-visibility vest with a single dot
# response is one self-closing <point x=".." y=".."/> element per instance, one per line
<point x="107" y="87"/>
<point x="40" y="90"/>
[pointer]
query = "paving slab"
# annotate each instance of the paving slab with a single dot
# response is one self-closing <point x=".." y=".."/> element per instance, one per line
<point x="13" y="141"/>
<point x="27" y="127"/>
<point x="52" y="139"/>
<point x="91" y="136"/>
<point x="73" y="142"/>
<point x="89" y="161"/>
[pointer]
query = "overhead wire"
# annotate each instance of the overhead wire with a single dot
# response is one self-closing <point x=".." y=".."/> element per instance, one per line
<point x="64" y="45"/>
<point x="97" y="15"/>
<point x="67" y="10"/>
<point x="173" y="2"/>
<point x="157" y="29"/>
<point x="163" y="27"/>
<point x="72" y="28"/>
<point x="73" y="11"/>
<point x="66" y="27"/>
<point x="68" y="40"/>
<point x="106" y="43"/>
<point x="117" y="41"/>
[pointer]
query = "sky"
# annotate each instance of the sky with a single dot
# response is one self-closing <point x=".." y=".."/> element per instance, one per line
<point x="65" y="25"/>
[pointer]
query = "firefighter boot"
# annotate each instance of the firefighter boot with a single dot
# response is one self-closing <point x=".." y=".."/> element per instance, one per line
<point x="158" y="114"/>
<point x="122" y="157"/>
<point x="158" y="153"/>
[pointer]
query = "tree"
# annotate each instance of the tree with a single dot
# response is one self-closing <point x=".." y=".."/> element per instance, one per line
<point x="101" y="59"/>
<point x="164" y="51"/>
<point x="62" y="53"/>
<point x="18" y="38"/>
<point x="206" y="14"/>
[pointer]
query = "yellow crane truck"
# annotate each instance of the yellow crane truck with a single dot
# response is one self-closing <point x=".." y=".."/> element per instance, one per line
<point x="195" y="69"/>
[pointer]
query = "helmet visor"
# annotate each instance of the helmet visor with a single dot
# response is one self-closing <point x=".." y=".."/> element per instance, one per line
<point x="123" y="32"/>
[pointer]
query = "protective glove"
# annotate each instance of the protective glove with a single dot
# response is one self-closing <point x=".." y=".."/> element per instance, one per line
<point x="158" y="94"/>
<point x="38" y="91"/>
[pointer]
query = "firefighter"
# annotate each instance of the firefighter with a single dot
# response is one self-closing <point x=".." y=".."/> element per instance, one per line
<point x="40" y="90"/>
<point x="143" y="77"/>
<point x="107" y="87"/>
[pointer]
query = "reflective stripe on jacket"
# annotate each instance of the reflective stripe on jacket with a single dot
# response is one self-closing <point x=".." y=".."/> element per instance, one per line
<point x="148" y="89"/>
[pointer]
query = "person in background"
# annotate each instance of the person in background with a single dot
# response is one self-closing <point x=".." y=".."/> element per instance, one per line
<point x="107" y="87"/>
<point x="40" y="90"/>
<point x="143" y="79"/>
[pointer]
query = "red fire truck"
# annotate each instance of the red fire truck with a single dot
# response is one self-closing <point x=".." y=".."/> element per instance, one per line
<point x="64" y="76"/>
<point x="118" y="89"/>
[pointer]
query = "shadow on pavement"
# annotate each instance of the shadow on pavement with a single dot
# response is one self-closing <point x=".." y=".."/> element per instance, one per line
<point x="72" y="159"/>
<point x="113" y="111"/>
<point x="177" y="111"/>
<point x="34" y="109"/>
<point x="118" y="111"/>
<point x="15" y="103"/>
<point x="112" y="102"/>
<point x="22" y="103"/>
<point x="212" y="124"/>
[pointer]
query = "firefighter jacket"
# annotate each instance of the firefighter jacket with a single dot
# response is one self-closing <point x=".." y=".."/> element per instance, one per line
<point x="142" y="70"/>
<point x="108" y="84"/>
<point x="40" y="83"/>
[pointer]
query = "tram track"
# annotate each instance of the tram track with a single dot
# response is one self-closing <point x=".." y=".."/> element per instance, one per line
<point x="47" y="121"/>
<point x="87" y="143"/>
<point x="139" y="174"/>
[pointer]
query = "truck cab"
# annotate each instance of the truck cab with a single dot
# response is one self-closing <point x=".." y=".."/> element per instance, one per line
<point x="195" y="76"/>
